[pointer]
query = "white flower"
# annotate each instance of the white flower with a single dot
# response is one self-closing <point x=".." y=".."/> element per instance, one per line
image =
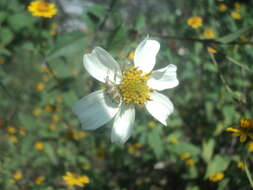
<point x="137" y="86"/>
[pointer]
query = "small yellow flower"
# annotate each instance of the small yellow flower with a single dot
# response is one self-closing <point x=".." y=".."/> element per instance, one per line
<point x="237" y="6"/>
<point x="51" y="127"/>
<point x="244" y="131"/>
<point x="250" y="146"/>
<point x="72" y="180"/>
<point x="195" y="22"/>
<point x="174" y="140"/>
<point x="216" y="177"/>
<point x="190" y="163"/>
<point x="42" y="9"/>
<point x="37" y="112"/>
<point x="185" y="156"/>
<point x="236" y="15"/>
<point x="17" y="175"/>
<point x="22" y="132"/>
<point x="13" y="139"/>
<point x="11" y="130"/>
<point x="39" y="180"/>
<point x="240" y="165"/>
<point x="131" y="55"/>
<point x="209" y="33"/>
<point x="48" y="108"/>
<point x="45" y="78"/>
<point x="40" y="86"/>
<point x="55" y="118"/>
<point x="222" y="7"/>
<point x="44" y="69"/>
<point x="212" y="50"/>
<point x="2" y="61"/>
<point x="78" y="135"/>
<point x="59" y="99"/>
<point x="134" y="148"/>
<point x="39" y="145"/>
<point x="151" y="124"/>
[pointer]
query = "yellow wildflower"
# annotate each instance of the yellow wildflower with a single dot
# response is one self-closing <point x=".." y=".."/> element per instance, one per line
<point x="45" y="78"/>
<point x="40" y="86"/>
<point x="11" y="130"/>
<point x="48" y="108"/>
<point x="2" y="61"/>
<point x="173" y="140"/>
<point x="39" y="145"/>
<point x="37" y="112"/>
<point x="237" y="6"/>
<point x="78" y="135"/>
<point x="216" y="177"/>
<point x="185" y="156"/>
<point x="72" y="180"/>
<point x="195" y="22"/>
<point x="132" y="149"/>
<point x="244" y="130"/>
<point x="222" y="7"/>
<point x="51" y="127"/>
<point x="190" y="163"/>
<point x="151" y="124"/>
<point x="250" y="146"/>
<point x="22" y="132"/>
<point x="240" y="165"/>
<point x="209" y="33"/>
<point x="13" y="139"/>
<point x="59" y="99"/>
<point x="42" y="9"/>
<point x="44" y="69"/>
<point x="55" y="118"/>
<point x="131" y="55"/>
<point x="17" y="175"/>
<point x="236" y="15"/>
<point x="39" y="180"/>
<point x="212" y="50"/>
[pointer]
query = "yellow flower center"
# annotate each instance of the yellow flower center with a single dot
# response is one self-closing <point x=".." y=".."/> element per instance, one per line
<point x="43" y="6"/>
<point x="133" y="88"/>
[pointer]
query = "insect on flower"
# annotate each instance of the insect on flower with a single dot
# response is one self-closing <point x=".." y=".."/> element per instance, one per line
<point x="124" y="90"/>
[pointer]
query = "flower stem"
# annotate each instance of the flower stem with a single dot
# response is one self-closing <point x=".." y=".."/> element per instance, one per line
<point x="248" y="173"/>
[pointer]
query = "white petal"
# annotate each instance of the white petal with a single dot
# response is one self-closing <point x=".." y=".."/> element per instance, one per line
<point x="95" y="110"/>
<point x="160" y="107"/>
<point x="101" y="65"/>
<point x="123" y="124"/>
<point x="145" y="54"/>
<point x="164" y="78"/>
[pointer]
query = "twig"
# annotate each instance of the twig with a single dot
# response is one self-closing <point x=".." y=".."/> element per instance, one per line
<point x="205" y="41"/>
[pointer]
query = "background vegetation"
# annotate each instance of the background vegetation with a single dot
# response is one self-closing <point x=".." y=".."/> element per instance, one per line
<point x="42" y="75"/>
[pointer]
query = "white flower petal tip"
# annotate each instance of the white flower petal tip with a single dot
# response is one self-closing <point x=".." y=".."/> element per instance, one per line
<point x="123" y="124"/>
<point x="160" y="107"/>
<point x="164" y="78"/>
<point x="101" y="65"/>
<point x="95" y="110"/>
<point x="145" y="55"/>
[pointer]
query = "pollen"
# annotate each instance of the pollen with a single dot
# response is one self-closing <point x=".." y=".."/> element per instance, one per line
<point x="133" y="88"/>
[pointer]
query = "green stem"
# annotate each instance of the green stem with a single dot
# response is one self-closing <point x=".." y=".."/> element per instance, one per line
<point x="248" y="173"/>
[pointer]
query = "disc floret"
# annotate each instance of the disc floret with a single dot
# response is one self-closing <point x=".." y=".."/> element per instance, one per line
<point x="133" y="87"/>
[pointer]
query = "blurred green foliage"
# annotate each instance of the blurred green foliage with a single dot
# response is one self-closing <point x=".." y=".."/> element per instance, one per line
<point x="41" y="76"/>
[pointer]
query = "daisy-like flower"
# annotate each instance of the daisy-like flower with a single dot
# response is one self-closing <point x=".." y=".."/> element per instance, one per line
<point x="244" y="131"/>
<point x="42" y="9"/>
<point x="136" y="86"/>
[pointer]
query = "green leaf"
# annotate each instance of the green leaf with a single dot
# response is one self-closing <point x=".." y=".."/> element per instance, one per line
<point x="155" y="142"/>
<point x="218" y="164"/>
<point x="68" y="44"/>
<point x="117" y="38"/>
<point x="183" y="147"/>
<point x="233" y="36"/>
<point x="20" y="20"/>
<point x="207" y="149"/>
<point x="232" y="60"/>
<point x="49" y="150"/>
<point x="6" y="36"/>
